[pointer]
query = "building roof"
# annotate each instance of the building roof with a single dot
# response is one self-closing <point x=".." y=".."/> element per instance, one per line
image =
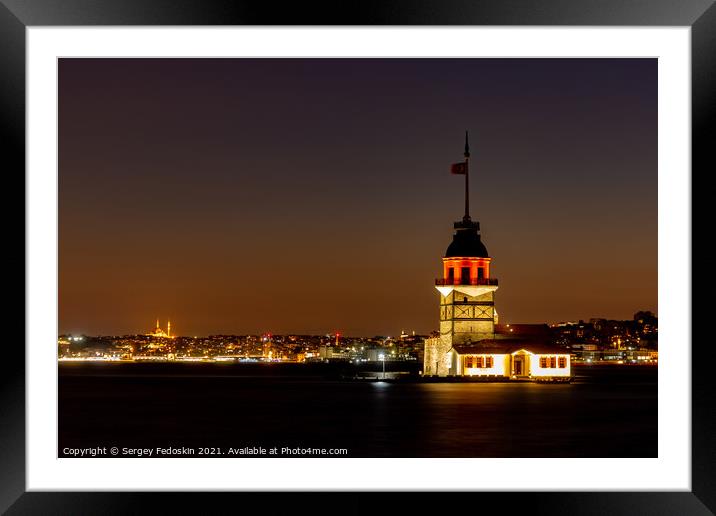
<point x="466" y="241"/>
<point x="505" y="346"/>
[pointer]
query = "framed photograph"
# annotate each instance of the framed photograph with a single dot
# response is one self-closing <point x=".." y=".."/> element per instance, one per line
<point x="398" y="248"/>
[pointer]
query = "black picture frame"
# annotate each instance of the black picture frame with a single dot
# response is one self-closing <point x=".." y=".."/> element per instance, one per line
<point x="17" y="15"/>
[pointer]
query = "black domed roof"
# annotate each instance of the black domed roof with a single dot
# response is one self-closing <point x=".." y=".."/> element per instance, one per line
<point x="466" y="241"/>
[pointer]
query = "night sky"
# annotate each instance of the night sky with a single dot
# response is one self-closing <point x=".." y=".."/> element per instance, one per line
<point x="314" y="195"/>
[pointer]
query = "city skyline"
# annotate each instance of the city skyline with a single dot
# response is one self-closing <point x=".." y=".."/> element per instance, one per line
<point x="302" y="196"/>
<point x="332" y="333"/>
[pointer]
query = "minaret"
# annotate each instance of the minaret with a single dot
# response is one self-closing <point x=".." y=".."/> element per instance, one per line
<point x="169" y="328"/>
<point x="467" y="291"/>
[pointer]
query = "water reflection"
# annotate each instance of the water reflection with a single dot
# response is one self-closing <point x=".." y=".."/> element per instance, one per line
<point x="605" y="414"/>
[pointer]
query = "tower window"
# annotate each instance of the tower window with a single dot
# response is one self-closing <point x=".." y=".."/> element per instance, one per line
<point x="480" y="273"/>
<point x="465" y="275"/>
<point x="464" y="299"/>
<point x="562" y="362"/>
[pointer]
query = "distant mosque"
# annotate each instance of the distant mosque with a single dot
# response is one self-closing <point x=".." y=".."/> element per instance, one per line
<point x="470" y="341"/>
<point x="159" y="332"/>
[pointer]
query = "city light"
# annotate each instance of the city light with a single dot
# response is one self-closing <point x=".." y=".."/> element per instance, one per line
<point x="625" y="343"/>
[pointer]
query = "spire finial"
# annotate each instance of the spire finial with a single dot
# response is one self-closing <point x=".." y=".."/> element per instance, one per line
<point x="466" y="218"/>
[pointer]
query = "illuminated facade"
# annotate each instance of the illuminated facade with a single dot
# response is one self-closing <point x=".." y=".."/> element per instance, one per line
<point x="267" y="347"/>
<point x="159" y="332"/>
<point x="468" y="344"/>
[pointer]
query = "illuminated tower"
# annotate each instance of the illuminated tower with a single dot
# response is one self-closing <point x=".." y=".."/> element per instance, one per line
<point x="158" y="332"/>
<point x="169" y="328"/>
<point x="467" y="291"/>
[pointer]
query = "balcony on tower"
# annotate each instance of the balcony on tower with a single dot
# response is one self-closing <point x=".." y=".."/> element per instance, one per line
<point x="465" y="281"/>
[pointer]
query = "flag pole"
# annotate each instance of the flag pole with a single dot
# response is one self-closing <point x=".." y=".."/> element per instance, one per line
<point x="467" y="180"/>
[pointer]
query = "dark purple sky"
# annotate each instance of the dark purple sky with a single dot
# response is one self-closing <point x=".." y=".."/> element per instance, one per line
<point x="314" y="195"/>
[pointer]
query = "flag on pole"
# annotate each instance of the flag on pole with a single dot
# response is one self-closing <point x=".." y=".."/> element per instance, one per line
<point x="458" y="168"/>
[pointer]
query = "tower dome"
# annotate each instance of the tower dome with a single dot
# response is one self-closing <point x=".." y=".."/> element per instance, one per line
<point x="466" y="241"/>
